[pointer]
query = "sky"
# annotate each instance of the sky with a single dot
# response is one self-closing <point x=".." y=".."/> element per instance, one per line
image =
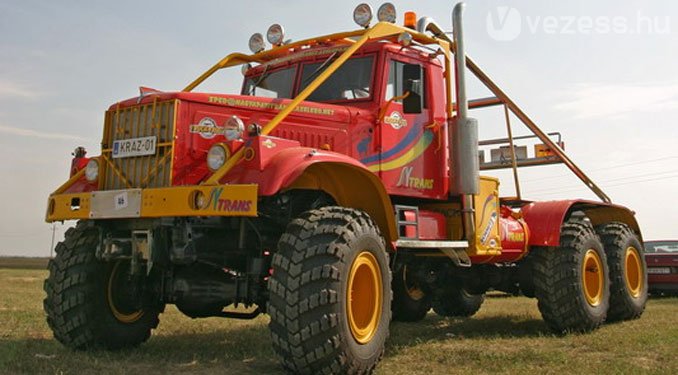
<point x="601" y="73"/>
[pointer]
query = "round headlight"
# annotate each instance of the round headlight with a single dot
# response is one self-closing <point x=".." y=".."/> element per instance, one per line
<point x="234" y="128"/>
<point x="92" y="170"/>
<point x="386" y="13"/>
<point x="257" y="43"/>
<point x="362" y="15"/>
<point x="216" y="157"/>
<point x="275" y="34"/>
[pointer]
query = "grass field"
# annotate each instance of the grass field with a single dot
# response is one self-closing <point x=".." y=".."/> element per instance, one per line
<point x="506" y="336"/>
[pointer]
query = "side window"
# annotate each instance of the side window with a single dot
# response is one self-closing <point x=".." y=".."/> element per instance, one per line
<point x="395" y="85"/>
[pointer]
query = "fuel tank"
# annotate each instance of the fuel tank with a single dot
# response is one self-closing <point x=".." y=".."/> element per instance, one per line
<point x="514" y="235"/>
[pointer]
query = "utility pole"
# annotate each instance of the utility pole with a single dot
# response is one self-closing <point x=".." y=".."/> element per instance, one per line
<point x="51" y="247"/>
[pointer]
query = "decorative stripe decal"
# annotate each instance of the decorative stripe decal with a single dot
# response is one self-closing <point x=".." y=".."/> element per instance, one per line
<point x="411" y="154"/>
<point x="409" y="138"/>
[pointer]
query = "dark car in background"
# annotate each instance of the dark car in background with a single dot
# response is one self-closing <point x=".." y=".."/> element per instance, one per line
<point x="662" y="266"/>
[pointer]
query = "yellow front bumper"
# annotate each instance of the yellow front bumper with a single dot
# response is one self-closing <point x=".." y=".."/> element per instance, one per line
<point x="222" y="200"/>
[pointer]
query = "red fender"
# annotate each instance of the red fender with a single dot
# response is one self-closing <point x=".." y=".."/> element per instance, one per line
<point x="285" y="166"/>
<point x="347" y="180"/>
<point x="546" y="218"/>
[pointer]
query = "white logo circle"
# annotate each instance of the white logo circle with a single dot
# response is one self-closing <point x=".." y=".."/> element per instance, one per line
<point x="504" y="24"/>
<point x="208" y="128"/>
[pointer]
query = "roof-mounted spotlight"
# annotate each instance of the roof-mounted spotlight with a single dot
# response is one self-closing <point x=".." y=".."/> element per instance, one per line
<point x="405" y="39"/>
<point x="256" y="43"/>
<point x="386" y="13"/>
<point x="275" y="34"/>
<point x="362" y="15"/>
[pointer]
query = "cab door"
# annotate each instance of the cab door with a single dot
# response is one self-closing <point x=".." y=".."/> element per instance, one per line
<point x="408" y="165"/>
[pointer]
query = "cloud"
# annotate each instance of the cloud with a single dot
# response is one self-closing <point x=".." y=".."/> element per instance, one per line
<point x="589" y="100"/>
<point x="15" y="90"/>
<point x="39" y="134"/>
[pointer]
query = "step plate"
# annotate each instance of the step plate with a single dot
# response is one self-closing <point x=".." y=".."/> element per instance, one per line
<point x="417" y="244"/>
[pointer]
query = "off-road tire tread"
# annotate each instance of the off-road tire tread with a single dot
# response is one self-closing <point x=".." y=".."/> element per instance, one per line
<point x="615" y="237"/>
<point x="71" y="292"/>
<point x="304" y="290"/>
<point x="557" y="280"/>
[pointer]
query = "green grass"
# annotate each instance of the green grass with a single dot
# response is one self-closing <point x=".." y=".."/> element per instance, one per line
<point x="506" y="336"/>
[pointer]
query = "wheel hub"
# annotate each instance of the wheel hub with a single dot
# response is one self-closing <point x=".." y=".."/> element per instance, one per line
<point x="633" y="271"/>
<point x="364" y="297"/>
<point x="592" y="275"/>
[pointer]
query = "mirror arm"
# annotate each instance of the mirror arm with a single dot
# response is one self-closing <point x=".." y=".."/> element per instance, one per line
<point x="382" y="112"/>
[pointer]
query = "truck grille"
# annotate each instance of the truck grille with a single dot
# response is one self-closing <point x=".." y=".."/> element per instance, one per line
<point x="153" y="119"/>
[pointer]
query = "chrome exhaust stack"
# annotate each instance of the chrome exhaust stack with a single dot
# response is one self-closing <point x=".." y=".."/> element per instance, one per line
<point x="465" y="168"/>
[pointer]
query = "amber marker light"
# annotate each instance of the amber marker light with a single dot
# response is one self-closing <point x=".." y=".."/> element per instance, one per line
<point x="410" y="20"/>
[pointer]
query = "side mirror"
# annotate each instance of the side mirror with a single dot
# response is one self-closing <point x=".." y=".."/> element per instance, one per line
<point x="412" y="83"/>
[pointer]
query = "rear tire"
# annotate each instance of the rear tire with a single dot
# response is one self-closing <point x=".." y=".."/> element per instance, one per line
<point x="330" y="293"/>
<point x="628" y="272"/>
<point x="410" y="302"/>
<point x="571" y="282"/>
<point x="454" y="300"/>
<point x="89" y="304"/>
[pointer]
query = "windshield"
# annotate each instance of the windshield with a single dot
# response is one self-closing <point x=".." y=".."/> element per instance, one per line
<point x="350" y="82"/>
<point x="277" y="84"/>
<point x="661" y="247"/>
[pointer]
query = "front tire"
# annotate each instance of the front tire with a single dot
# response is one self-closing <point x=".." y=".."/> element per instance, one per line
<point x="330" y="293"/>
<point x="91" y="304"/>
<point x="571" y="282"/>
<point x="628" y="271"/>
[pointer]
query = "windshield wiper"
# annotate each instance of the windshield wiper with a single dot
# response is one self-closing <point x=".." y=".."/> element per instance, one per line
<point x="261" y="78"/>
<point x="318" y="70"/>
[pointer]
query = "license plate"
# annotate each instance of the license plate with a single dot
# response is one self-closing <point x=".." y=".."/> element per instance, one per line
<point x="126" y="148"/>
<point x="659" y="270"/>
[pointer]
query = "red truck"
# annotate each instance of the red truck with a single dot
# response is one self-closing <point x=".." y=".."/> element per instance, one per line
<point x="340" y="189"/>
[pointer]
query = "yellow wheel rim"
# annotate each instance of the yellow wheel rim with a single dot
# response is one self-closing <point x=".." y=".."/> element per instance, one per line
<point x="633" y="271"/>
<point x="411" y="288"/>
<point x="592" y="275"/>
<point x="364" y="297"/>
<point x="127" y="317"/>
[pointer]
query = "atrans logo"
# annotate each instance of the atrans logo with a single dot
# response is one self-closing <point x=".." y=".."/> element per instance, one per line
<point x="407" y="180"/>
